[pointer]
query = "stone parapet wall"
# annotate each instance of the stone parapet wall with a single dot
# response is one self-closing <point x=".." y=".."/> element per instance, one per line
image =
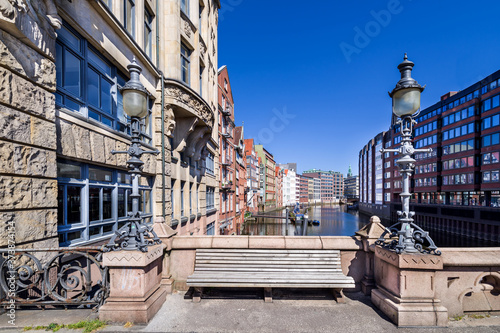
<point x="470" y="280"/>
<point x="183" y="250"/>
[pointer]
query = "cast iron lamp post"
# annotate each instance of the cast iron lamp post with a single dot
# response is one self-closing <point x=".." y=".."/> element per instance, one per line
<point x="133" y="235"/>
<point x="405" y="104"/>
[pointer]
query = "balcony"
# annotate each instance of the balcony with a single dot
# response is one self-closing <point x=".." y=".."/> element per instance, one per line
<point x="227" y="132"/>
<point x="226" y="161"/>
<point x="226" y="186"/>
<point x="227" y="111"/>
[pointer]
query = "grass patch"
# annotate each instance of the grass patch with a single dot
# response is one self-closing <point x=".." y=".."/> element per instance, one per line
<point x="87" y="325"/>
<point x="475" y="316"/>
<point x="458" y="318"/>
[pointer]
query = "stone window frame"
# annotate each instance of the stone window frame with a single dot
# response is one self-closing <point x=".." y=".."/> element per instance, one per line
<point x="85" y="224"/>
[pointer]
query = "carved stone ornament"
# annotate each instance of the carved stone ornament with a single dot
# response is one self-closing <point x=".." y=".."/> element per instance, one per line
<point x="34" y="19"/>
<point x="187" y="28"/>
<point x="169" y="121"/>
<point x="203" y="48"/>
<point x="185" y="98"/>
<point x="9" y="8"/>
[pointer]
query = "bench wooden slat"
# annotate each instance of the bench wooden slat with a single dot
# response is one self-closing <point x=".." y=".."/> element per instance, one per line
<point x="268" y="262"/>
<point x="268" y="268"/>
<point x="273" y="285"/>
<point x="266" y="251"/>
<point x="266" y="255"/>
<point x="271" y="258"/>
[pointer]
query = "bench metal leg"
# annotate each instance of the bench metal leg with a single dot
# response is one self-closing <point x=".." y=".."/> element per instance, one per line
<point x="197" y="294"/>
<point x="268" y="295"/>
<point x="339" y="295"/>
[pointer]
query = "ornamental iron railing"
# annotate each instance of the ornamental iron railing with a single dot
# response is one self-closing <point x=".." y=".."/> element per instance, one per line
<point x="71" y="276"/>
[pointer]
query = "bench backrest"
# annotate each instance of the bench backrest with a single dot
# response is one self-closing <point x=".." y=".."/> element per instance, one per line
<point x="268" y="260"/>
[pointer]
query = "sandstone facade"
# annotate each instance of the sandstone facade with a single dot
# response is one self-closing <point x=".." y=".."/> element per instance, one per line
<point x="38" y="131"/>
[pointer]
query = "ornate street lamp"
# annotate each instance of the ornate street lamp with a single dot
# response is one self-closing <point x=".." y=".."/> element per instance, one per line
<point x="405" y="104"/>
<point x="133" y="235"/>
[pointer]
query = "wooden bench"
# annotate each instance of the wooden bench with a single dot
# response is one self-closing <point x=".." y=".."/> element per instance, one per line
<point x="268" y="269"/>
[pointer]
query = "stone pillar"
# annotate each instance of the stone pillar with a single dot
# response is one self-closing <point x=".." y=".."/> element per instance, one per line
<point x="165" y="233"/>
<point x="369" y="235"/>
<point x="28" y="185"/>
<point x="136" y="293"/>
<point x="407" y="287"/>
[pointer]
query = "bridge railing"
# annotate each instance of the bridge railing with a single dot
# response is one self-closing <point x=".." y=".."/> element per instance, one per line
<point x="53" y="276"/>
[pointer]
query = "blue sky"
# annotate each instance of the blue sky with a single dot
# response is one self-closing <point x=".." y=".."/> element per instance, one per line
<point x="313" y="90"/>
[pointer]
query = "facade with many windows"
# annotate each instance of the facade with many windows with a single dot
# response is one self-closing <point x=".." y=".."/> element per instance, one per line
<point x="65" y="98"/>
<point x="456" y="186"/>
<point x="227" y="154"/>
<point x="332" y="184"/>
<point x="253" y="176"/>
<point x="267" y="176"/>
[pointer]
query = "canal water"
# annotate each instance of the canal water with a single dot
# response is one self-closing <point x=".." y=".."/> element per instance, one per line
<point x="336" y="220"/>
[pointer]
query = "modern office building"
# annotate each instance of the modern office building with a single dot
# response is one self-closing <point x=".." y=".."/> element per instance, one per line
<point x="351" y="186"/>
<point x="267" y="176"/>
<point x="332" y="184"/>
<point x="303" y="188"/>
<point x="64" y="63"/>
<point x="456" y="186"/>
<point x="317" y="191"/>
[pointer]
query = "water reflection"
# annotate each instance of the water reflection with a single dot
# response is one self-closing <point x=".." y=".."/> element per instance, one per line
<point x="337" y="221"/>
<point x="334" y="221"/>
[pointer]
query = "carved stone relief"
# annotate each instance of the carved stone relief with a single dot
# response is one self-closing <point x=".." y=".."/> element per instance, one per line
<point x="184" y="127"/>
<point x="184" y="97"/>
<point x="203" y="48"/>
<point x="187" y="28"/>
<point x="193" y="140"/>
<point x="169" y="121"/>
<point x="200" y="146"/>
<point x="35" y="20"/>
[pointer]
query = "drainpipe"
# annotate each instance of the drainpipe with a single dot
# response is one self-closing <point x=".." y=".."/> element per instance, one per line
<point x="162" y="111"/>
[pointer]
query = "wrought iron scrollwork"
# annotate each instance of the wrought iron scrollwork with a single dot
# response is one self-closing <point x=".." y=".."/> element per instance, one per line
<point x="421" y="239"/>
<point x="73" y="276"/>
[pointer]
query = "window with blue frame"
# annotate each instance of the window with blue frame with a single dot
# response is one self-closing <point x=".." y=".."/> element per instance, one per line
<point x="93" y="202"/>
<point x="490" y="140"/>
<point x="459" y="115"/>
<point x="458" y="131"/>
<point x="185" y="64"/>
<point x="426" y="141"/>
<point x="423" y="129"/>
<point x="458" y="147"/>
<point x="490" y="122"/>
<point x="491" y="103"/>
<point x="129" y="16"/>
<point x="87" y="83"/>
<point x="185" y="7"/>
<point x="210" y="197"/>
<point x="209" y="163"/>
